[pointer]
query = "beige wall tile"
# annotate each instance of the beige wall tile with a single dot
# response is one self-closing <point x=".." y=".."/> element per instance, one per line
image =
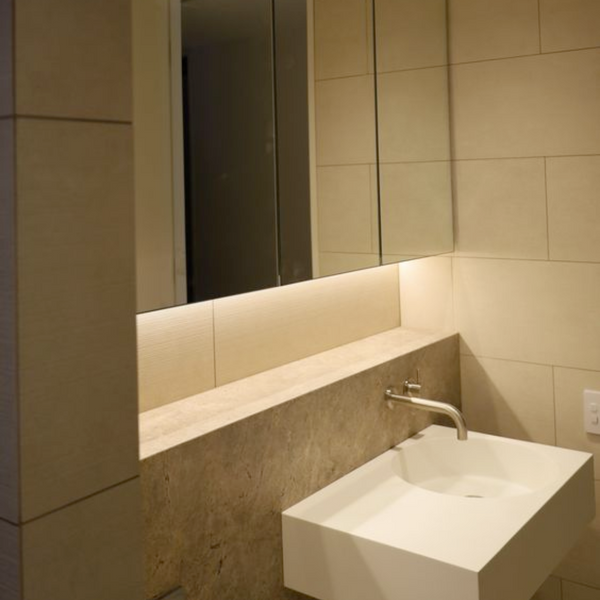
<point x="538" y="106"/>
<point x="569" y="24"/>
<point x="508" y="398"/>
<point x="175" y="354"/>
<point x="10" y="562"/>
<point x="532" y="311"/>
<point x="426" y="294"/>
<point x="413" y="115"/>
<point x="9" y="461"/>
<point x="89" y="550"/>
<point x="416" y="208"/>
<point x="6" y="58"/>
<point x="574" y="591"/>
<point x="344" y="199"/>
<point x="569" y="386"/>
<point x="77" y="357"/>
<point x="153" y="153"/>
<point x="345" y="111"/>
<point x="550" y="590"/>
<point x="581" y="564"/>
<point x="73" y="59"/>
<point x="259" y="331"/>
<point x="500" y="208"/>
<point x="492" y="29"/>
<point x="411" y="35"/>
<point x="574" y="208"/>
<point x="341" y="38"/>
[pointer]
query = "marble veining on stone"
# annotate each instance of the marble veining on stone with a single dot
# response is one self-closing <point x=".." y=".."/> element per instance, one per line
<point x="212" y="504"/>
<point x="185" y="420"/>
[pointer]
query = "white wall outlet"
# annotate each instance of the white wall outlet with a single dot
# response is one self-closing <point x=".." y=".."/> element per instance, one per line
<point x="591" y="411"/>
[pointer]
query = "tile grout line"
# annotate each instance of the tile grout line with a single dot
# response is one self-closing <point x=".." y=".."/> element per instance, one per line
<point x="585" y="585"/>
<point x="547" y="208"/>
<point x="71" y="119"/>
<point x="466" y="62"/>
<point x="78" y="500"/>
<point x="517" y="259"/>
<point x="528" y="362"/>
<point x="554" y="405"/>
<point x="484" y="158"/>
<point x="560" y="581"/>
<point x="518" y="56"/>
<point x="214" y="330"/>
<point x="540" y="25"/>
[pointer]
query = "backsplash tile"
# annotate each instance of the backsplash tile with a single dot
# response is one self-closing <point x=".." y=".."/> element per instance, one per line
<point x="175" y="354"/>
<point x="536" y="106"/>
<point x="569" y="24"/>
<point x="573" y="208"/>
<point x="508" y="398"/>
<point x="531" y="311"/>
<point x="492" y="29"/>
<point x="500" y="208"/>
<point x="258" y="331"/>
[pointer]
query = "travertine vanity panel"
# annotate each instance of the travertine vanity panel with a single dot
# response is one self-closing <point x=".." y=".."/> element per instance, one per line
<point x="212" y="503"/>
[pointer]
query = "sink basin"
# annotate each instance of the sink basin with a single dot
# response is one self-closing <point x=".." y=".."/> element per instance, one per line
<point x="481" y="467"/>
<point x="440" y="519"/>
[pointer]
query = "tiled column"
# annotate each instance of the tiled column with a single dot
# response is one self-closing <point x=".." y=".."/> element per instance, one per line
<point x="69" y="494"/>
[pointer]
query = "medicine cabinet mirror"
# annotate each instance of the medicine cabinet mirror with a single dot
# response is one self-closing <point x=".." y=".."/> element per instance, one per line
<point x="278" y="141"/>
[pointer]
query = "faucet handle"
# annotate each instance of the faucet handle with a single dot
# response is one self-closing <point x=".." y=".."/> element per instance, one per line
<point x="412" y="387"/>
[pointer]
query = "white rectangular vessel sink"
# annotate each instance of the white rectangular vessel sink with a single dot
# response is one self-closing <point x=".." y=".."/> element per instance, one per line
<point x="440" y="519"/>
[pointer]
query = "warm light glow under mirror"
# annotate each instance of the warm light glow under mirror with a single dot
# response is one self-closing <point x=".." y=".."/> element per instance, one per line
<point x="281" y="140"/>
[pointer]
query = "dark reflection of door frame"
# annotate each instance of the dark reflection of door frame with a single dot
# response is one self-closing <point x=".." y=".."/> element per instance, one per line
<point x="291" y="236"/>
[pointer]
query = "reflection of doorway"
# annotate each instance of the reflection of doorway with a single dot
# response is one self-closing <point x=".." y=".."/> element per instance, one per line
<point x="228" y="123"/>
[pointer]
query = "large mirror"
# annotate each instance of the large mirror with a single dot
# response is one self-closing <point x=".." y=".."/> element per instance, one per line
<point x="281" y="140"/>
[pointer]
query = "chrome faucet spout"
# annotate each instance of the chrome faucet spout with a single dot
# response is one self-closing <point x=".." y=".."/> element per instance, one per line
<point x="442" y="408"/>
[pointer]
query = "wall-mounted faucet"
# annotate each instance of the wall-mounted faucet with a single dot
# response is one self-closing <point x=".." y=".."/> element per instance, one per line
<point x="431" y="405"/>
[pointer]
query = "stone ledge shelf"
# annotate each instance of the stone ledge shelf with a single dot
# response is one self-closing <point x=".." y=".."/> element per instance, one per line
<point x="185" y="420"/>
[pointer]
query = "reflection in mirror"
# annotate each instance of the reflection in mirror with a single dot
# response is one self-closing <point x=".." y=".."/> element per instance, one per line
<point x="229" y="147"/>
<point x="413" y="128"/>
<point x="269" y="150"/>
<point x="346" y="151"/>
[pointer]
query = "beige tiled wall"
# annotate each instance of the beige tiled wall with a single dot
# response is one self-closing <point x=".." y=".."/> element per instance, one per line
<point x="179" y="357"/>
<point x="67" y="366"/>
<point x="525" y="277"/>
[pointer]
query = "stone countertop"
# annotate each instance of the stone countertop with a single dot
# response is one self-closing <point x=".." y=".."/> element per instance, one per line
<point x="179" y="422"/>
